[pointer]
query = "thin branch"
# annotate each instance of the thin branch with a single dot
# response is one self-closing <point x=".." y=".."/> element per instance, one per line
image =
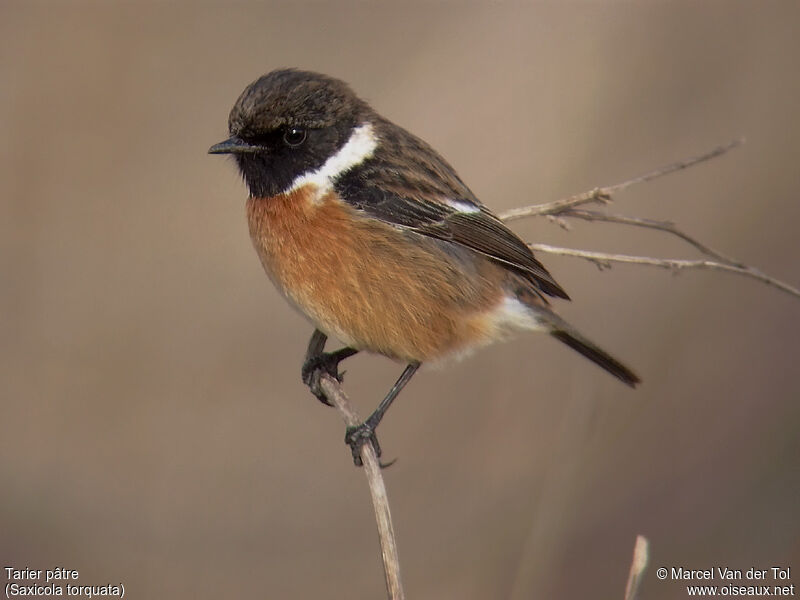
<point x="603" y="260"/>
<point x="676" y="166"/>
<point x="556" y="207"/>
<point x="638" y="566"/>
<point x="666" y="226"/>
<point x="560" y="210"/>
<point x="603" y="194"/>
<point x="380" y="500"/>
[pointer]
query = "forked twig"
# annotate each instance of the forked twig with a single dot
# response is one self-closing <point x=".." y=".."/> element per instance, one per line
<point x="561" y="210"/>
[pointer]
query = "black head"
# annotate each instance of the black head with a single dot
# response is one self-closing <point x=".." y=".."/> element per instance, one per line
<point x="287" y="123"/>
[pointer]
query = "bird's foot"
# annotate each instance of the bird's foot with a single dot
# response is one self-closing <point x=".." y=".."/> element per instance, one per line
<point x="313" y="369"/>
<point x="357" y="436"/>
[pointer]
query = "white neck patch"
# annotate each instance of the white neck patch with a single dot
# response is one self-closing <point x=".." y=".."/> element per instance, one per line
<point x="359" y="147"/>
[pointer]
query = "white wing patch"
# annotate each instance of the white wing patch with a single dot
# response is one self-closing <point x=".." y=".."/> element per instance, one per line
<point x="359" y="147"/>
<point x="461" y="206"/>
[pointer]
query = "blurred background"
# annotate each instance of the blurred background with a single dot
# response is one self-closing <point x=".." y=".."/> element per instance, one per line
<point x="153" y="427"/>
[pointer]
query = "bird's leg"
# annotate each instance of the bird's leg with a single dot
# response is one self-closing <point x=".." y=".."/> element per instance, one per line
<point x="357" y="436"/>
<point x="318" y="362"/>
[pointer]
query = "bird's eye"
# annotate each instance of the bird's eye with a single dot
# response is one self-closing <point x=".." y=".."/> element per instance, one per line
<point x="294" y="136"/>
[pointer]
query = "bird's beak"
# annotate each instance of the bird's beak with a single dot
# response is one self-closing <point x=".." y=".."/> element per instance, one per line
<point x="234" y="145"/>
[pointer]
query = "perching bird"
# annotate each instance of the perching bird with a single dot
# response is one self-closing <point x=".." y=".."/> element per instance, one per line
<point x="372" y="235"/>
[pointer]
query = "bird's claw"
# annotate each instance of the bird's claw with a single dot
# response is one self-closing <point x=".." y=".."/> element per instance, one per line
<point x="313" y="369"/>
<point x="357" y="436"/>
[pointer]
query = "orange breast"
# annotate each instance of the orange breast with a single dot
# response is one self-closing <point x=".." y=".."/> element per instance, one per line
<point x="373" y="286"/>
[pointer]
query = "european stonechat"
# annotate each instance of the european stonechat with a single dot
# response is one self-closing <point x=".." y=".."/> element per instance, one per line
<point x="372" y="235"/>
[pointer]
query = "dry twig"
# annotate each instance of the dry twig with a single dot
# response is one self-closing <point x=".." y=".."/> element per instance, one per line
<point x="603" y="260"/>
<point x="560" y="210"/>
<point x="380" y="500"/>
<point x="603" y="194"/>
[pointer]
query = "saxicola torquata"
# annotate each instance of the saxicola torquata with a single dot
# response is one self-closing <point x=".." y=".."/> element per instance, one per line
<point x="375" y="238"/>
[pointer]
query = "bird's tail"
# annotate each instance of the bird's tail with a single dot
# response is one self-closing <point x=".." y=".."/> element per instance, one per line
<point x="566" y="333"/>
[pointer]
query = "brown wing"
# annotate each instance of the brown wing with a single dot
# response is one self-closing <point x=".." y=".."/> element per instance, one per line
<point x="407" y="184"/>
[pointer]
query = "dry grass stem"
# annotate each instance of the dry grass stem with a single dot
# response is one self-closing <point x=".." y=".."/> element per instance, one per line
<point x="638" y="566"/>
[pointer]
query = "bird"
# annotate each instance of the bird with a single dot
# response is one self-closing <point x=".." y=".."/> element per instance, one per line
<point x="373" y="236"/>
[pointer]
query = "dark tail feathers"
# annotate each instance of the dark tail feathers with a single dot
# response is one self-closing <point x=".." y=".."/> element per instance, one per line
<point x="596" y="355"/>
<point x="564" y="332"/>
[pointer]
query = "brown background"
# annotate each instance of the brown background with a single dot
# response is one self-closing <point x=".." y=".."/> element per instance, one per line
<point x="153" y="427"/>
